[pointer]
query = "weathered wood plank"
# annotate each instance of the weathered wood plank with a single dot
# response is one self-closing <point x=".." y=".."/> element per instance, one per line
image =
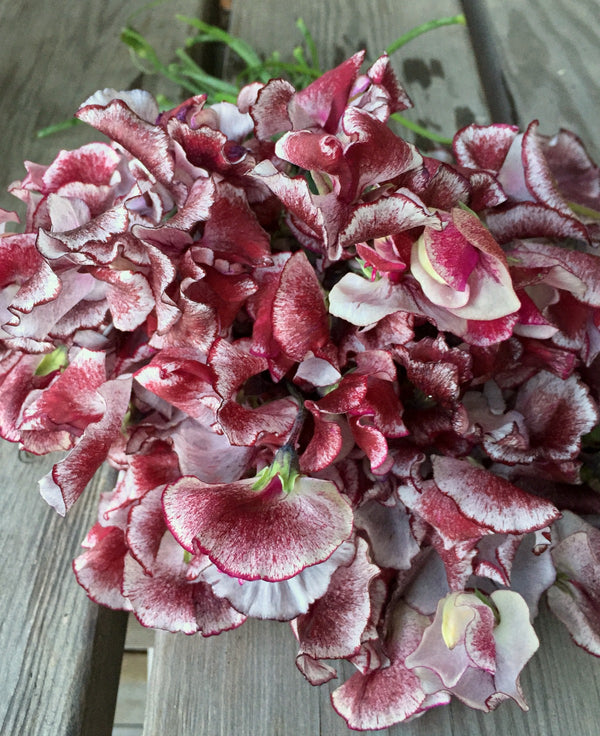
<point x="550" y="60"/>
<point x="57" y="647"/>
<point x="54" y="55"/>
<point x="245" y="682"/>
<point x="437" y="69"/>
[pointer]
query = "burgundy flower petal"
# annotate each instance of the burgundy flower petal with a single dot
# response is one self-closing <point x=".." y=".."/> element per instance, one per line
<point x="300" y="321"/>
<point x="375" y="154"/>
<point x="270" y="110"/>
<point x="484" y="146"/>
<point x="324" y="100"/>
<point x="538" y="175"/>
<point x="371" y="440"/>
<point x="232" y="366"/>
<point x="129" y="297"/>
<point x="146" y="142"/>
<point x="99" y="570"/>
<point x="166" y="599"/>
<point x="334" y="624"/>
<point x="532" y="220"/>
<point x="385" y="216"/>
<point x="16" y="374"/>
<point x="183" y="382"/>
<point x="490" y="500"/>
<point x="383" y="78"/>
<point x="69" y="477"/>
<point x="324" y="445"/>
<point x="146" y="525"/>
<point x="93" y="163"/>
<point x="71" y="401"/>
<point x="389" y="695"/>
<point x="270" y="422"/>
<point x="233" y="231"/>
<point x="259" y="535"/>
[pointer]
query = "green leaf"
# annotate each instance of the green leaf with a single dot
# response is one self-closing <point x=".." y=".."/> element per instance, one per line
<point x="237" y="45"/>
<point x="310" y="45"/>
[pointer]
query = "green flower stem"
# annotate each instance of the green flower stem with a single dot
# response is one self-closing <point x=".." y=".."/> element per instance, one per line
<point x="58" y="127"/>
<point x="420" y="130"/>
<point x="284" y="466"/>
<point x="424" y="28"/>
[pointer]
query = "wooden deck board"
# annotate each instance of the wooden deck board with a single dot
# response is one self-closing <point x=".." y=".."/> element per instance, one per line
<point x="244" y="683"/>
<point x="55" y="55"/>
<point x="550" y="57"/>
<point x="47" y="627"/>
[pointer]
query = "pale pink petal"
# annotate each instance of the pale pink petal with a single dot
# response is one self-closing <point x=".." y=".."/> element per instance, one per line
<point x="280" y="600"/>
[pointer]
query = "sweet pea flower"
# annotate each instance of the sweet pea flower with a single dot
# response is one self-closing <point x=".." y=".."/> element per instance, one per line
<point x="475" y="648"/>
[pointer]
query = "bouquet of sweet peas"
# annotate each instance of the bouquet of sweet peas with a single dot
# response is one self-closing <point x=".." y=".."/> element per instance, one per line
<point x="344" y="384"/>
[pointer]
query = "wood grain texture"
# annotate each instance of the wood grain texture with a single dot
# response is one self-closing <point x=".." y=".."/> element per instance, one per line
<point x="57" y="647"/>
<point x="550" y="59"/>
<point x="245" y="682"/>
<point x="54" y="55"/>
<point x="438" y="69"/>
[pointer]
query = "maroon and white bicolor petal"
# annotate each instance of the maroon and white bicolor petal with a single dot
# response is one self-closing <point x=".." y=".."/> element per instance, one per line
<point x="387" y="215"/>
<point x="333" y="626"/>
<point x="325" y="443"/>
<point x="322" y="103"/>
<point x="69" y="477"/>
<point x="269" y="109"/>
<point x="231" y="366"/>
<point x="164" y="598"/>
<point x="99" y="570"/>
<point x="575" y="599"/>
<point x="539" y="402"/>
<point x="489" y="500"/>
<point x="281" y="600"/>
<point x="300" y="322"/>
<point x="232" y="230"/>
<point x="180" y="380"/>
<point x="16" y="381"/>
<point x="389" y="695"/>
<point x="145" y="141"/>
<point x="484" y="146"/>
<point x="562" y="268"/>
<point x="270" y="423"/>
<point x="259" y="535"/>
<point x="71" y="401"/>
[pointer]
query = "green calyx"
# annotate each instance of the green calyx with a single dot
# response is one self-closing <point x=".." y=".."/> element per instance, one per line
<point x="54" y="361"/>
<point x="284" y="467"/>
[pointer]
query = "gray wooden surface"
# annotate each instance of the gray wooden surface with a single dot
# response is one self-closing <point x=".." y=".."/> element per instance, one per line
<point x="60" y="652"/>
<point x="245" y="683"/>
